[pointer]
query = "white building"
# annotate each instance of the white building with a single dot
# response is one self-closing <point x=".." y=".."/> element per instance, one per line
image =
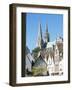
<point x="50" y="65"/>
<point x="54" y="57"/>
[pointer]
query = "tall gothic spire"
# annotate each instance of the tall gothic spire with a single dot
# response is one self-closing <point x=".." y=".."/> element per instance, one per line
<point x="40" y="39"/>
<point x="47" y="39"/>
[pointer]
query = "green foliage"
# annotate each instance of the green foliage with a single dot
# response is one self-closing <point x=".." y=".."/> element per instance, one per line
<point x="36" y="50"/>
<point x="37" y="71"/>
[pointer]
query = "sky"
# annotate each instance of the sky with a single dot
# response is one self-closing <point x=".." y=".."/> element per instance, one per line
<point x="55" y="27"/>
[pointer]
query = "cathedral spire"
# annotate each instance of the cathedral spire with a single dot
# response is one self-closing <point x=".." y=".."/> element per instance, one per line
<point x="40" y="39"/>
<point x="47" y="39"/>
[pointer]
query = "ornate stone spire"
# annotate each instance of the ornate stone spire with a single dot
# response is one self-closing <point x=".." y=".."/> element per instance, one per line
<point x="40" y="39"/>
<point x="46" y="38"/>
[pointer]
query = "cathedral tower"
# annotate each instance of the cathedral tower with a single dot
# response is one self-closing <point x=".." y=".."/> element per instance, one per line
<point x="40" y="39"/>
<point x="46" y="38"/>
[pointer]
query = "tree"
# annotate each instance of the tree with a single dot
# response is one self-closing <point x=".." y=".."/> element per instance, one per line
<point x="35" y="52"/>
<point x="38" y="71"/>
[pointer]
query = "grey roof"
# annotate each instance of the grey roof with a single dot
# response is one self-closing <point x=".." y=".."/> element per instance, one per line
<point x="27" y="50"/>
<point x="28" y="55"/>
<point x="40" y="62"/>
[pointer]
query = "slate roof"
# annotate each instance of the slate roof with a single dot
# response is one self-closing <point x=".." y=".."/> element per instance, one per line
<point x="28" y="55"/>
<point x="40" y="62"/>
